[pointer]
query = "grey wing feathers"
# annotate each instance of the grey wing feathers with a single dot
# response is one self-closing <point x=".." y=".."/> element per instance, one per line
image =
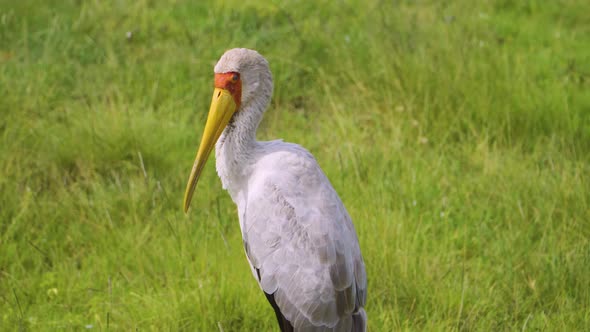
<point x="301" y="239"/>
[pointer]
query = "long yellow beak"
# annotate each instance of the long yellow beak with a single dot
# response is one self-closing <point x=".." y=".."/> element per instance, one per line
<point x="222" y="108"/>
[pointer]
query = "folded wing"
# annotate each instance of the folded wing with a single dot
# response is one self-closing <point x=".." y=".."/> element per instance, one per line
<point x="301" y="241"/>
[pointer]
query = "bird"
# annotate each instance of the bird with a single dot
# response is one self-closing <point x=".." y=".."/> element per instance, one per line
<point x="298" y="237"/>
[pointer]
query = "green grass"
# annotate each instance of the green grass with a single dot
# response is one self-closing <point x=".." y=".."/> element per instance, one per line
<point x="457" y="134"/>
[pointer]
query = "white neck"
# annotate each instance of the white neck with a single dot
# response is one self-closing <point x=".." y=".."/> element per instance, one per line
<point x="236" y="149"/>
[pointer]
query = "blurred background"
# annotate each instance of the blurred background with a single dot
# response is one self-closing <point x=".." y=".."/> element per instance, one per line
<point x="457" y="133"/>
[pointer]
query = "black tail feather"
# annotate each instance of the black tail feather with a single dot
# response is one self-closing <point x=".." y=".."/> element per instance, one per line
<point x="359" y="321"/>
<point x="284" y="324"/>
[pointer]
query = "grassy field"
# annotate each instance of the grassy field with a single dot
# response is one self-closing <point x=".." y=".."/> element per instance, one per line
<point x="457" y="134"/>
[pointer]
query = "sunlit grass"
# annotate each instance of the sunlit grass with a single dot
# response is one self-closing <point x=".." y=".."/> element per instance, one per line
<point x="458" y="136"/>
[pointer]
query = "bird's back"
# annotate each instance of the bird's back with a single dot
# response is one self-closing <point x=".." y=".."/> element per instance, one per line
<point x="301" y="242"/>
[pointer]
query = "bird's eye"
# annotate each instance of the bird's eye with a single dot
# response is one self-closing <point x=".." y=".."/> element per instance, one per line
<point x="235" y="78"/>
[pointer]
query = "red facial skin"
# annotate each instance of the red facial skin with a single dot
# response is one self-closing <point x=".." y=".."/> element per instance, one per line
<point x="231" y="82"/>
